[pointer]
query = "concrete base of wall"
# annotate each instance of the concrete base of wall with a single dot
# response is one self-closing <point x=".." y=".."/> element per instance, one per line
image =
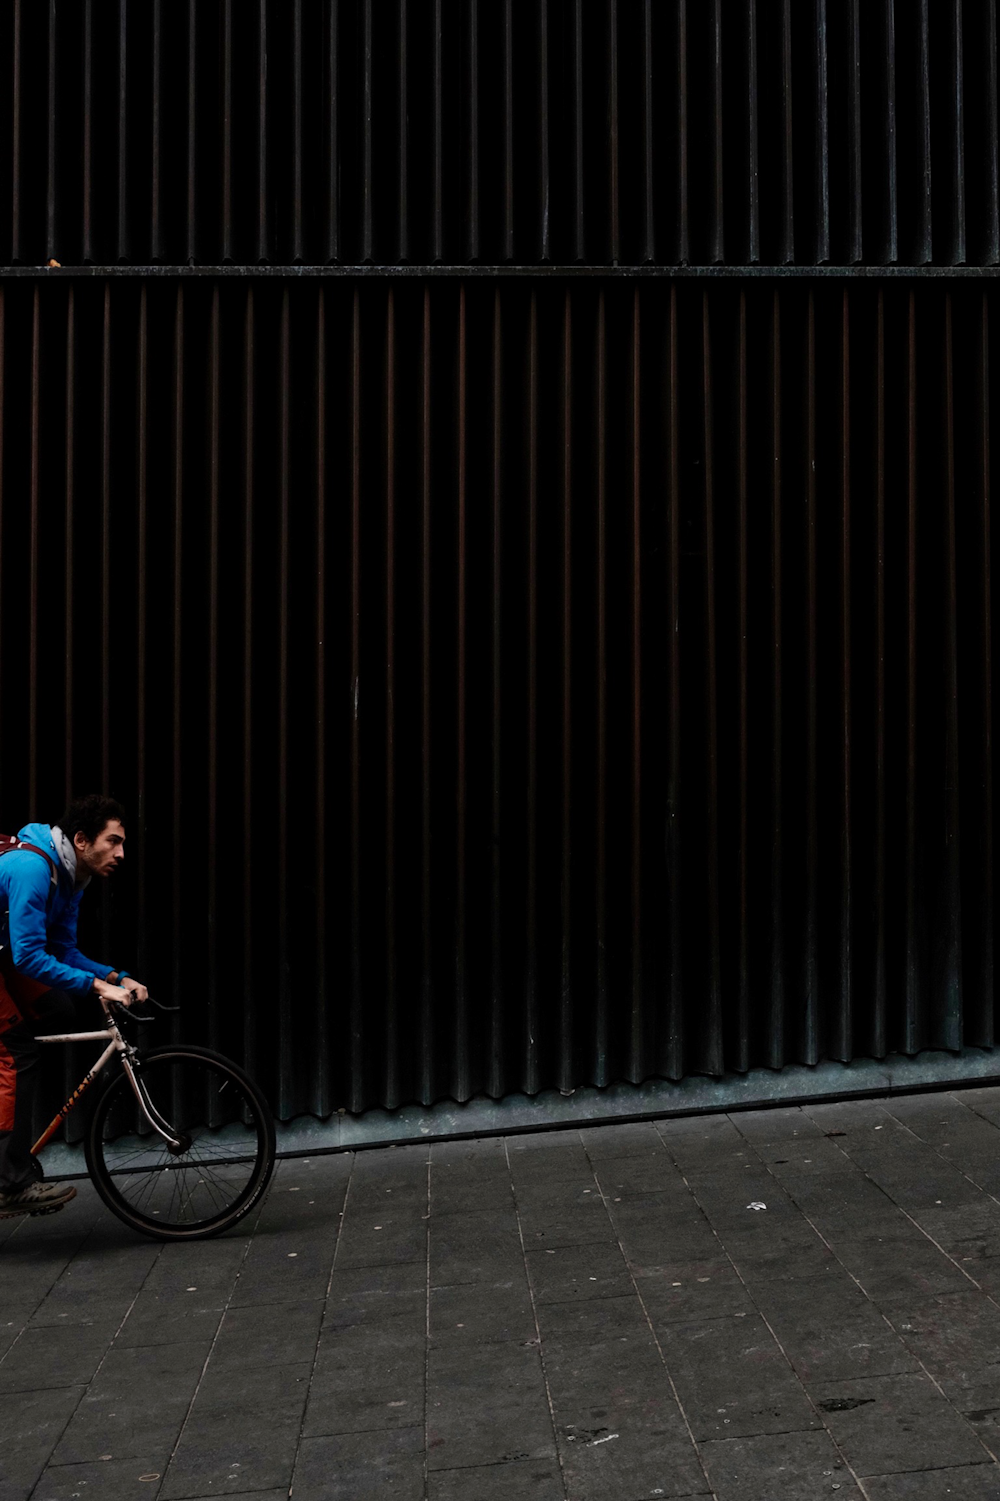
<point x="553" y="1111"/>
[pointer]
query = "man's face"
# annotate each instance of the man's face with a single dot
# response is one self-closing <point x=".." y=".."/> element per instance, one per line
<point x="107" y="851"/>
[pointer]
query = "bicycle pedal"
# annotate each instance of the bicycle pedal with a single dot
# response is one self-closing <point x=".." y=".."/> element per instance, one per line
<point x="30" y="1214"/>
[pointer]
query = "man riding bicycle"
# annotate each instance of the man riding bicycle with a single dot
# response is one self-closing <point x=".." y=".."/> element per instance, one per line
<point x="43" y="973"/>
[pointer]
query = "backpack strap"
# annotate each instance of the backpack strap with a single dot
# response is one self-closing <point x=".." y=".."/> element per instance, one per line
<point x="10" y="842"/>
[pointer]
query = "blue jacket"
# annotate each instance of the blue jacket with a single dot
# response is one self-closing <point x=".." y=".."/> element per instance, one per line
<point x="38" y="923"/>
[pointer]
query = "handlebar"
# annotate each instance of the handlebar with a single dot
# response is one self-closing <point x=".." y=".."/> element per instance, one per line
<point x="129" y="1013"/>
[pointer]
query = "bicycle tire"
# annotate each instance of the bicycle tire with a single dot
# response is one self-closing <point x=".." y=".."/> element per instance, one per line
<point x="127" y="1170"/>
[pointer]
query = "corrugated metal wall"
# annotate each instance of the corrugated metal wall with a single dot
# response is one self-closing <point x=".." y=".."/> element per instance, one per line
<point x="515" y="680"/>
<point x="597" y="131"/>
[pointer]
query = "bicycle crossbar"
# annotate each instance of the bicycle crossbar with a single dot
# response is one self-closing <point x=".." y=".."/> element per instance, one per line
<point x="77" y="1037"/>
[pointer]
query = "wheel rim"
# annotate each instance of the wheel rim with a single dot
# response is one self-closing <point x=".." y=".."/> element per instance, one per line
<point x="211" y="1109"/>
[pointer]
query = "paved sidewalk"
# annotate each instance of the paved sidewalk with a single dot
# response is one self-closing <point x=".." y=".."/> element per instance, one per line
<point x="599" y="1315"/>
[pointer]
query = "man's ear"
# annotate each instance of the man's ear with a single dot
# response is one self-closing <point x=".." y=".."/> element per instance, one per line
<point x="80" y="840"/>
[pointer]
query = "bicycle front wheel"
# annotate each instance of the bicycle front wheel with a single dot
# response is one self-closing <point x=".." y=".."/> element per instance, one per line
<point x="222" y="1162"/>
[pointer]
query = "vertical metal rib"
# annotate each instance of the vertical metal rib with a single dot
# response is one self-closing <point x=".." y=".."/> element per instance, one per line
<point x="579" y="217"/>
<point x="33" y="553"/>
<point x="879" y="1032"/>
<point x="463" y="1085"/>
<point x="912" y="1032"/>
<point x="88" y="130"/>
<point x="332" y="136"/>
<point x="854" y="174"/>
<point x="985" y="1030"/>
<point x="716" y="248"/>
<point x="437" y="85"/>
<point x="949" y="1000"/>
<point x="403" y="205"/>
<point x="671" y="1046"/>
<point x="227" y="132"/>
<point x="367" y="165"/>
<point x="3" y="362"/>
<point x="683" y="239"/>
<point x="508" y="132"/>
<point x="496" y="1072"/>
<point x="472" y="242"/>
<point x="956" y="139"/>
<point x="123" y="249"/>
<point x="741" y="1058"/>
<point x="842" y="1042"/>
<point x="286" y="1055"/>
<point x="70" y="511"/>
<point x="141" y="603"/>
<point x="298" y="253"/>
<point x="249" y="418"/>
<point x="920" y="136"/>
<point x="614" y="143"/>
<point x="323" y="1098"/>
<point x="637" y="1021"/>
<point x="648" y="182"/>
<point x="263" y="249"/>
<point x="821" y="180"/>
<point x="52" y="133"/>
<point x="991" y="246"/>
<point x="567" y="1064"/>
<point x="544" y="165"/>
<point x="106" y="389"/>
<point x="357" y="1096"/>
<point x="155" y="184"/>
<point x="210" y="976"/>
<point x="891" y="179"/>
<point x="391" y="957"/>
<point x="775" y="1044"/>
<point x="753" y="140"/>
<point x="811" y="1042"/>
<point x="192" y="137"/>
<point x="532" y="1076"/>
<point x="15" y="141"/>
<point x="426" y="718"/>
<point x="786" y="253"/>
<point x="603" y="1063"/>
<point x="712" y="1048"/>
<point x="177" y="788"/>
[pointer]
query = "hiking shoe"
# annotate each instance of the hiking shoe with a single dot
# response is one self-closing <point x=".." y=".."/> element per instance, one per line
<point x="37" y="1198"/>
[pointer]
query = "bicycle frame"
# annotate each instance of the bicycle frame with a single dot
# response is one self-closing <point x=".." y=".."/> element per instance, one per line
<point x="116" y="1044"/>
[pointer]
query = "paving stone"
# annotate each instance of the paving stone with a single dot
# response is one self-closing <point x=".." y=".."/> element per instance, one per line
<point x="956" y="1336"/>
<point x="685" y="1292"/>
<point x="293" y="1268"/>
<point x="264" y="1335"/>
<point x="832" y="1331"/>
<point x="572" y="1272"/>
<point x="240" y="1436"/>
<point x="794" y="1466"/>
<point x="395" y="1236"/>
<point x="474" y="1247"/>
<point x="583" y="1225"/>
<point x="136" y="1406"/>
<point x="611" y="1466"/>
<point x="970" y="1483"/>
<point x="887" y="1424"/>
<point x="32" y="1423"/>
<point x="649" y="1172"/>
<point x="654" y="1229"/>
<point x="12" y="1320"/>
<point x="733" y="1381"/>
<point x="41" y="1359"/>
<point x="477" y="1313"/>
<point x="532" y="1479"/>
<point x="135" y="1479"/>
<point x="899" y="1268"/>
<point x="362" y="1467"/>
<point x="486" y="1407"/>
<point x="366" y="1384"/>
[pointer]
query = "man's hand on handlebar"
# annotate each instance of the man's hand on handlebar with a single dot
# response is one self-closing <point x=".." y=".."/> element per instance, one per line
<point x="124" y="995"/>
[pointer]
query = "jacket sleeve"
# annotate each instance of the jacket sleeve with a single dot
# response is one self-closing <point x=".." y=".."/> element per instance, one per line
<point x="62" y="943"/>
<point x="63" y="969"/>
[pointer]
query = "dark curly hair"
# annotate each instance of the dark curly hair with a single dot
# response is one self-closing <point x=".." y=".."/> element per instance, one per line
<point x="89" y="815"/>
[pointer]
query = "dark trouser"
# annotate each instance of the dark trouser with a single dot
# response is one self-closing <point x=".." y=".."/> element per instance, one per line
<point x="26" y="1010"/>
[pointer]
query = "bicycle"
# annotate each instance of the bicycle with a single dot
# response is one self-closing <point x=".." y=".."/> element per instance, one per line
<point x="181" y="1143"/>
